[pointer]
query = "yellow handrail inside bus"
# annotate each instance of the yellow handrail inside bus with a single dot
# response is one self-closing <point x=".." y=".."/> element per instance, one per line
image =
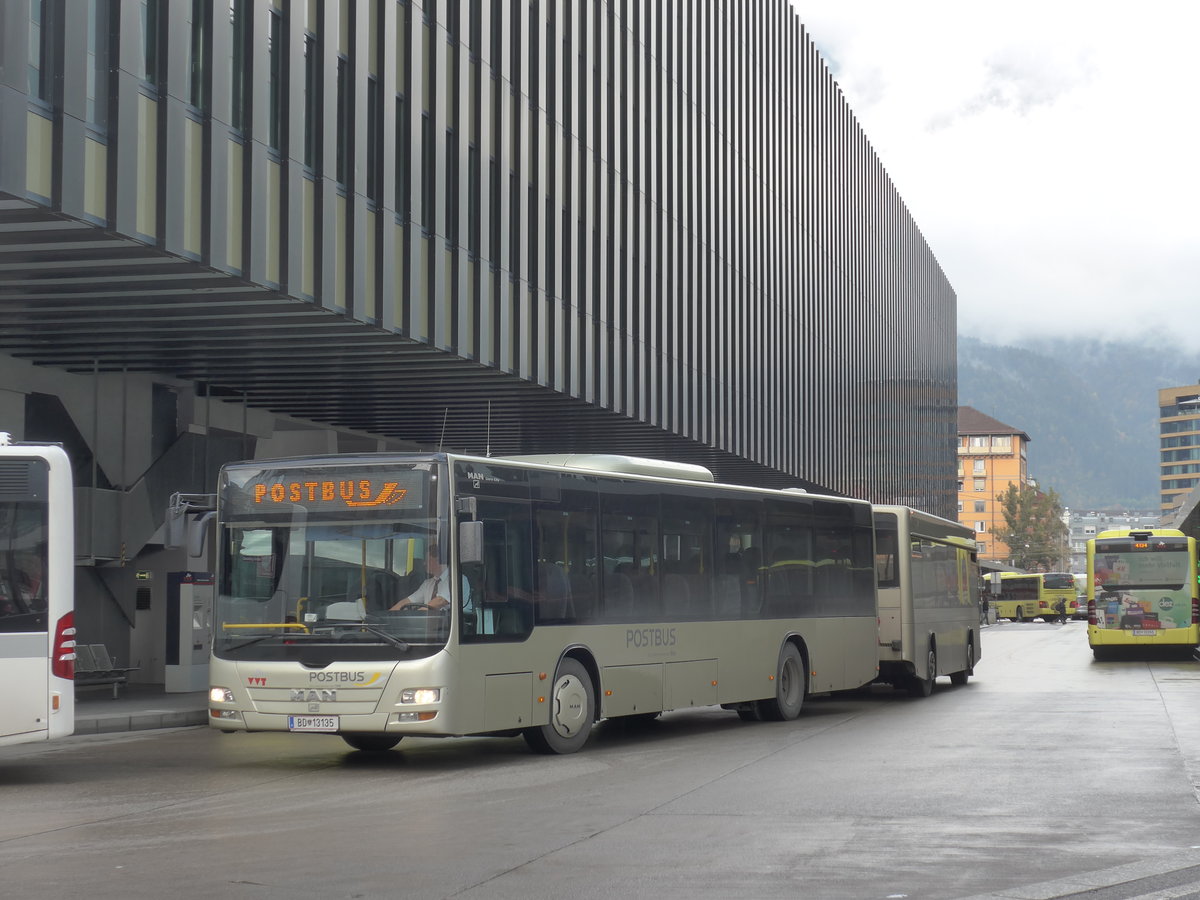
<point x="231" y="626"/>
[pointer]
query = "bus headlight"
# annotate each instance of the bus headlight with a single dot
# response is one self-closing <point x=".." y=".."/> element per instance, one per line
<point x="220" y="695"/>
<point x="421" y="695"/>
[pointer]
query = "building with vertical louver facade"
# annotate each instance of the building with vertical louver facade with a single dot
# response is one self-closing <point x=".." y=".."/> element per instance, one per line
<point x="252" y="227"/>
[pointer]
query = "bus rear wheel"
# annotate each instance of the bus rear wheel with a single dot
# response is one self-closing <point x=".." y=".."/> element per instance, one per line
<point x="960" y="678"/>
<point x="371" y="743"/>
<point x="790" y="687"/>
<point x="572" y="709"/>
<point x="923" y="687"/>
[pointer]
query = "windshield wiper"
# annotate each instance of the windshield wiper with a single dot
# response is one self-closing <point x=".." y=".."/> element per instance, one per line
<point x="266" y="637"/>
<point x="379" y="632"/>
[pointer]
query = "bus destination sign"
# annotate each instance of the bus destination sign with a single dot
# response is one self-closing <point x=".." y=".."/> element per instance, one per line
<point x="317" y="490"/>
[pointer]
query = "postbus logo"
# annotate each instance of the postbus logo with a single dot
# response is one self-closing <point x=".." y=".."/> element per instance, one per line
<point x="362" y="492"/>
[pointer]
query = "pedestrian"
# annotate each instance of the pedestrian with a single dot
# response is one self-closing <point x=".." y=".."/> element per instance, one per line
<point x="1061" y="608"/>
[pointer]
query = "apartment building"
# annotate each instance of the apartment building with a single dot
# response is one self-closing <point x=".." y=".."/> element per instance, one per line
<point x="991" y="456"/>
<point x="1178" y="445"/>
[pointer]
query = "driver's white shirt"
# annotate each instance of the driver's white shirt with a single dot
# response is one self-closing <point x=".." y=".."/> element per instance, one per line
<point x="437" y="586"/>
<point x="429" y="588"/>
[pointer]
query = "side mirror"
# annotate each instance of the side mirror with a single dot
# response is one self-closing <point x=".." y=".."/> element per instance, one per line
<point x="470" y="542"/>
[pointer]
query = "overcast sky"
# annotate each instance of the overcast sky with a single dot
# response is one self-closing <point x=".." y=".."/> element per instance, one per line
<point x="1049" y="152"/>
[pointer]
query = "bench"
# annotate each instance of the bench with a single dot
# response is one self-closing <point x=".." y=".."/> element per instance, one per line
<point x="95" y="668"/>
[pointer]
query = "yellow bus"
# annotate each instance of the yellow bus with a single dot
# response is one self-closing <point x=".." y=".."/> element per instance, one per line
<point x="1142" y="590"/>
<point x="564" y="589"/>
<point x="1024" y="597"/>
<point x="927" y="572"/>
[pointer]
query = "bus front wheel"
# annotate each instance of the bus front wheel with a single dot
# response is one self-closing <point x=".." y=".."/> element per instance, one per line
<point x="790" y="687"/>
<point x="572" y="706"/>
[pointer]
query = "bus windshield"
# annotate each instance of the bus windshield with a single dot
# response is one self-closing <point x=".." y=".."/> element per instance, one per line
<point x="316" y="567"/>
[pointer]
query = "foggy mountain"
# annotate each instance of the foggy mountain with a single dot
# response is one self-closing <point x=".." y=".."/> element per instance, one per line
<point x="1090" y="409"/>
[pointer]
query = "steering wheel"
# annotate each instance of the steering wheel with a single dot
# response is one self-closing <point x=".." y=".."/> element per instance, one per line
<point x="415" y="607"/>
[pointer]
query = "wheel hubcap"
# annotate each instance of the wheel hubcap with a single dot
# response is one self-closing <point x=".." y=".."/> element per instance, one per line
<point x="570" y="706"/>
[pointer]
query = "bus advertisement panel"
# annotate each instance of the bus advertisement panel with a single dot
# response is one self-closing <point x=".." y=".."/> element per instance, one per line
<point x="37" y="593"/>
<point x="927" y="574"/>
<point x="1142" y="590"/>
<point x="381" y="596"/>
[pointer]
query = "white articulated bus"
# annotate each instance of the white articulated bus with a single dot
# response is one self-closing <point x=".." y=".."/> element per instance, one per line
<point x="37" y="593"/>
<point x="928" y="580"/>
<point x="576" y="588"/>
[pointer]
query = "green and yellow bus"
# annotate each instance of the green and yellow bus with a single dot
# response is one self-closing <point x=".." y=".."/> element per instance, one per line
<point x="575" y="588"/>
<point x="1142" y="590"/>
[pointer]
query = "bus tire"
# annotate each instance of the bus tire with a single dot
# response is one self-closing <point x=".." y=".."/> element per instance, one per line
<point x="923" y="687"/>
<point x="372" y="743"/>
<point x="960" y="678"/>
<point x="572" y="709"/>
<point x="790" y="687"/>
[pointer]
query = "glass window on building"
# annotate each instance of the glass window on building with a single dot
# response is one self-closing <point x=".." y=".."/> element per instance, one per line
<point x="96" y="109"/>
<point x="979" y="526"/>
<point x="1002" y="442"/>
<point x="149" y="60"/>
<point x="979" y="442"/>
<point x="276" y="52"/>
<point x="980" y="506"/>
<point x="980" y="484"/>
<point x="978" y="466"/>
<point x="197" y="82"/>
<point x="239" y="13"/>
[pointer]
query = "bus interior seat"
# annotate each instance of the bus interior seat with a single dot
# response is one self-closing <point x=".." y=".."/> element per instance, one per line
<point x="554" y="593"/>
<point x="618" y="594"/>
<point x="583" y="594"/>
<point x="727" y="596"/>
<point x="676" y="595"/>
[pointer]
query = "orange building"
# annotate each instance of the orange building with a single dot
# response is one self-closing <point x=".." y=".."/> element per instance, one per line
<point x="991" y="456"/>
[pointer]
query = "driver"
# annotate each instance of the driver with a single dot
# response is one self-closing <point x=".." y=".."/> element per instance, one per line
<point x="433" y="590"/>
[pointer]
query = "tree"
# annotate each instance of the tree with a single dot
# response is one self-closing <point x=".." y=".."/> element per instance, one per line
<point x="1033" y="528"/>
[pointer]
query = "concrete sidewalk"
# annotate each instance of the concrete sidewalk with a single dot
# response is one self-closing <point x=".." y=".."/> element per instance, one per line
<point x="139" y="707"/>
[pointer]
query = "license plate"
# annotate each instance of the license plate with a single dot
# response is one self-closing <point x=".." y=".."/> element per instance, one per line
<point x="1144" y="632"/>
<point x="312" y="723"/>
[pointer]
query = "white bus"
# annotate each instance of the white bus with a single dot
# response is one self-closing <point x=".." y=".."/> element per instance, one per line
<point x="37" y="593"/>
<point x="928" y="579"/>
<point x="579" y="588"/>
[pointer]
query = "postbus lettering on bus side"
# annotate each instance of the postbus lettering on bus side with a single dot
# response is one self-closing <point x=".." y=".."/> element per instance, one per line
<point x="650" y="637"/>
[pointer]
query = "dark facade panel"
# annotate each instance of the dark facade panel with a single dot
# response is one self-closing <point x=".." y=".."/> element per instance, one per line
<point x="665" y="214"/>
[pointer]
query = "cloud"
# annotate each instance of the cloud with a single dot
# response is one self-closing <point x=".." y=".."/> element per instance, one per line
<point x="1045" y="149"/>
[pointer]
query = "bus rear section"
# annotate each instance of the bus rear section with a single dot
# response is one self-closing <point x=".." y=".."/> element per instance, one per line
<point x="1057" y="588"/>
<point x="1018" y="597"/>
<point x="1142" y="591"/>
<point x="927" y="577"/>
<point x="37" y="585"/>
